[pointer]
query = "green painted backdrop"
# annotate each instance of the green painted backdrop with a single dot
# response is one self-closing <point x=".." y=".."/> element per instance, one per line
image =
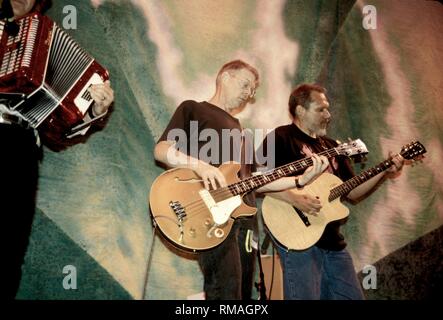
<point x="385" y="86"/>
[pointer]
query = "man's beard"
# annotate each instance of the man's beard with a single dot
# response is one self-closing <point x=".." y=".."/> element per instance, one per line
<point x="321" y="132"/>
<point x="322" y="129"/>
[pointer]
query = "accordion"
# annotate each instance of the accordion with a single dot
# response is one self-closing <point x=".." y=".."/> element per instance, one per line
<point x="52" y="72"/>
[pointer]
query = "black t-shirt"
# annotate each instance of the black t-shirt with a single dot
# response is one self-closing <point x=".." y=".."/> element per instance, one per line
<point x="292" y="144"/>
<point x="207" y="132"/>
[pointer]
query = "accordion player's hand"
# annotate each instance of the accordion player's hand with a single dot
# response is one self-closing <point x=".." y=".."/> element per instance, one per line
<point x="103" y="96"/>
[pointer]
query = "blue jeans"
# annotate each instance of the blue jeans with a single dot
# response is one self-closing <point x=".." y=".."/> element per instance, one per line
<point x="316" y="273"/>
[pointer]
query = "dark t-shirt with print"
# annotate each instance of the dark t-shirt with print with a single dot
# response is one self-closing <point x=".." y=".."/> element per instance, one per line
<point x="292" y="144"/>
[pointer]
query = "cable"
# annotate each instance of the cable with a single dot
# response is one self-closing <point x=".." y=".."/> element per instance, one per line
<point x="148" y="265"/>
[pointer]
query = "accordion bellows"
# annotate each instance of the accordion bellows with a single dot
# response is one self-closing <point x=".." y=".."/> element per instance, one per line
<point x="53" y="72"/>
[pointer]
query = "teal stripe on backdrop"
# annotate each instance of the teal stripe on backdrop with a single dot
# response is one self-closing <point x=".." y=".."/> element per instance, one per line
<point x="50" y="250"/>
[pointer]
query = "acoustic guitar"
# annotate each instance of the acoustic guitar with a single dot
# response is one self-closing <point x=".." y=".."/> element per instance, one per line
<point x="296" y="230"/>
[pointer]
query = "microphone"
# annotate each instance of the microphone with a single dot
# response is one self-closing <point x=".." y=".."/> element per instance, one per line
<point x="7" y="14"/>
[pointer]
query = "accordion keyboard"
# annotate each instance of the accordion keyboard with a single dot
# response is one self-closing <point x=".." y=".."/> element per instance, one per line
<point x="19" y="55"/>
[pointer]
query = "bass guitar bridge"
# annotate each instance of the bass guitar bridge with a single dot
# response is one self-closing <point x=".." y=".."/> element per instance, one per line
<point x="178" y="210"/>
<point x="181" y="214"/>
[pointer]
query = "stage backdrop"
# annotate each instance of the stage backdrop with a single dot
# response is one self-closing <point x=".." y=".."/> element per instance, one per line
<point x="385" y="86"/>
